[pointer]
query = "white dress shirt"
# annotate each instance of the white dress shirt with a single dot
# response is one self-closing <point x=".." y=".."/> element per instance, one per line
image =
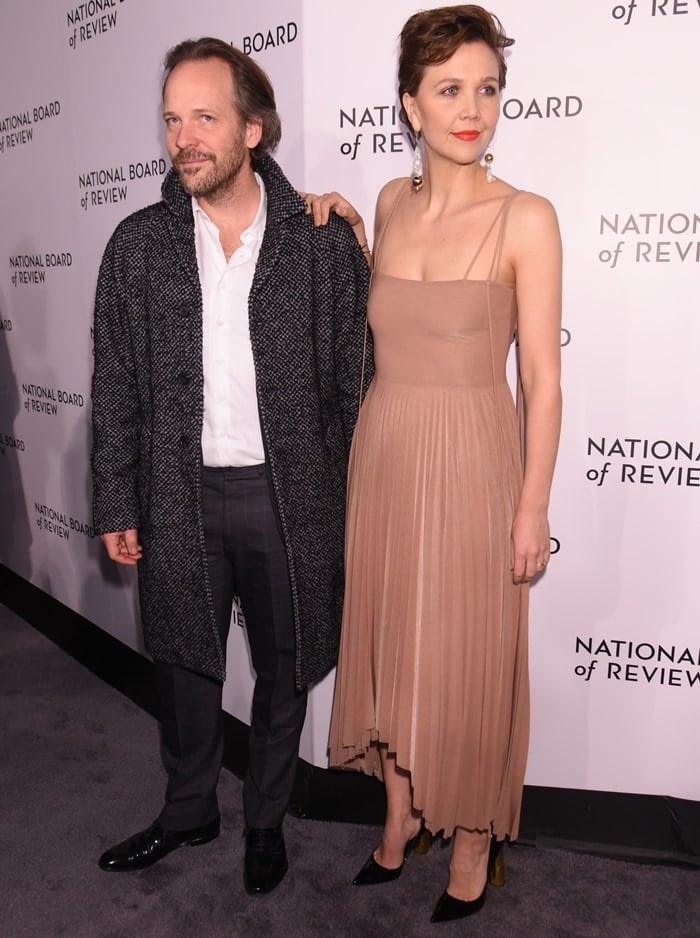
<point x="231" y="434"/>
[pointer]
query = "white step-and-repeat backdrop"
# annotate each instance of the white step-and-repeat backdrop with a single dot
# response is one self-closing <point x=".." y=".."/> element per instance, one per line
<point x="598" y="115"/>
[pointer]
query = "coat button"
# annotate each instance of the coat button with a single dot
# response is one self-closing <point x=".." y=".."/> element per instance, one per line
<point x="183" y="378"/>
<point x="184" y="440"/>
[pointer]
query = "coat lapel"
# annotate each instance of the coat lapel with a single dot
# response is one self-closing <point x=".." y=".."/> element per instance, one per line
<point x="180" y="224"/>
<point x="282" y="202"/>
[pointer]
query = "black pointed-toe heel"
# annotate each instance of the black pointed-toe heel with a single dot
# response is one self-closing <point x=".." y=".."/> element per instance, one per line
<point x="373" y="873"/>
<point x="448" y="908"/>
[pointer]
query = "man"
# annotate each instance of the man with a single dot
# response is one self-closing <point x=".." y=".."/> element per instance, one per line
<point x="228" y="354"/>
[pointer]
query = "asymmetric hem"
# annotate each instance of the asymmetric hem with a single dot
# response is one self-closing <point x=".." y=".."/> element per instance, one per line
<point x="433" y="656"/>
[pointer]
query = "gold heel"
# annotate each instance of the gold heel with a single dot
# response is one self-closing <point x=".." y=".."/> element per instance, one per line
<point x="497" y="864"/>
<point x="423" y="843"/>
<point x="420" y="843"/>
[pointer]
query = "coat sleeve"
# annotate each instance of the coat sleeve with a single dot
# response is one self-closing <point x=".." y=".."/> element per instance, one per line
<point x="115" y="405"/>
<point x="352" y="339"/>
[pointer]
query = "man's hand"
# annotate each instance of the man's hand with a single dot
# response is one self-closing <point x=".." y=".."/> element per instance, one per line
<point x="123" y="546"/>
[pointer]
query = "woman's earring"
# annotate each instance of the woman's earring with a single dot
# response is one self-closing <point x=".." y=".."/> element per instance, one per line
<point x="417" y="173"/>
<point x="488" y="159"/>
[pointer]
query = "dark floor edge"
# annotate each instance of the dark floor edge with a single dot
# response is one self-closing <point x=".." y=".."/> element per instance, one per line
<point x="643" y="828"/>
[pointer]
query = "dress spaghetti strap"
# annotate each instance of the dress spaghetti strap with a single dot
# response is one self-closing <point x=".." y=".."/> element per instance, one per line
<point x="501" y="215"/>
<point x="375" y="260"/>
<point x="403" y="188"/>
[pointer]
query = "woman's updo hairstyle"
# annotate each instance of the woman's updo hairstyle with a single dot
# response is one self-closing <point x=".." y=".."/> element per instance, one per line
<point x="433" y="36"/>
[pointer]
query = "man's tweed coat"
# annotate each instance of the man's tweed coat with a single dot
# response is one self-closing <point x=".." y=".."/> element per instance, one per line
<point x="307" y="314"/>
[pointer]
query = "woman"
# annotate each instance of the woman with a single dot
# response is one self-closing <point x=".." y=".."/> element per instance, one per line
<point x="445" y="528"/>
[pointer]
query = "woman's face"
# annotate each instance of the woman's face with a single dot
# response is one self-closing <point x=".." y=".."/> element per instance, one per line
<point x="457" y="104"/>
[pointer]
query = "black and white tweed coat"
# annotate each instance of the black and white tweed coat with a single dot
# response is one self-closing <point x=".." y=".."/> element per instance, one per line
<point x="307" y="312"/>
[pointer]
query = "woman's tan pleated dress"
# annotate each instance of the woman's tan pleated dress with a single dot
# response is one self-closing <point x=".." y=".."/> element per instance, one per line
<point x="433" y="658"/>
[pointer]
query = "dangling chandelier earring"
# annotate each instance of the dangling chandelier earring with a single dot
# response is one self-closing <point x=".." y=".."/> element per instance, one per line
<point x="488" y="159"/>
<point x="417" y="173"/>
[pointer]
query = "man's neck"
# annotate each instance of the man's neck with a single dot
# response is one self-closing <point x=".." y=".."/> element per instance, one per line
<point x="235" y="209"/>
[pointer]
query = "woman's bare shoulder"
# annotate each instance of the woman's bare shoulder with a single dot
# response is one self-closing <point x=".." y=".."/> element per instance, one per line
<point x="390" y="191"/>
<point x="533" y="208"/>
<point x="533" y="230"/>
<point x="386" y="198"/>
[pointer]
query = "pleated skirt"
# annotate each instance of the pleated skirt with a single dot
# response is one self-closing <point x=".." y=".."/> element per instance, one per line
<point x="433" y="659"/>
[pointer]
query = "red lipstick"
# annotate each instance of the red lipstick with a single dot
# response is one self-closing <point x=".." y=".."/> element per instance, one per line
<point x="467" y="135"/>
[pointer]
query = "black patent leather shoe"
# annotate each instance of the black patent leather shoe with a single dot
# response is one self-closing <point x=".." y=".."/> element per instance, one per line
<point x="373" y="873"/>
<point x="448" y="908"/>
<point x="265" y="864"/>
<point x="149" y="846"/>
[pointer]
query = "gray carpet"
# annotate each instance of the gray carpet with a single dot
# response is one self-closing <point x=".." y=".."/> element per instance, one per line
<point x="80" y="771"/>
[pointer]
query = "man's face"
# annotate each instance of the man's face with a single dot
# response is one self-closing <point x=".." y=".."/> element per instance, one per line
<point x="206" y="139"/>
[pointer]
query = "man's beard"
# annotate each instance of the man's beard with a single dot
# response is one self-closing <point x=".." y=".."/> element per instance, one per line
<point x="211" y="181"/>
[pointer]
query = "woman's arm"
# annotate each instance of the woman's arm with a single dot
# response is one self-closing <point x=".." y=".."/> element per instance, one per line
<point x="535" y="248"/>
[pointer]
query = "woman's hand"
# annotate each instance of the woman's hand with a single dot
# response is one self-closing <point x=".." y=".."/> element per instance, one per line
<point x="321" y="206"/>
<point x="530" y="544"/>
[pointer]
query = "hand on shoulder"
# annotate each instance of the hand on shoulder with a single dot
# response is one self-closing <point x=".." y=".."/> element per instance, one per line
<point x="321" y="206"/>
